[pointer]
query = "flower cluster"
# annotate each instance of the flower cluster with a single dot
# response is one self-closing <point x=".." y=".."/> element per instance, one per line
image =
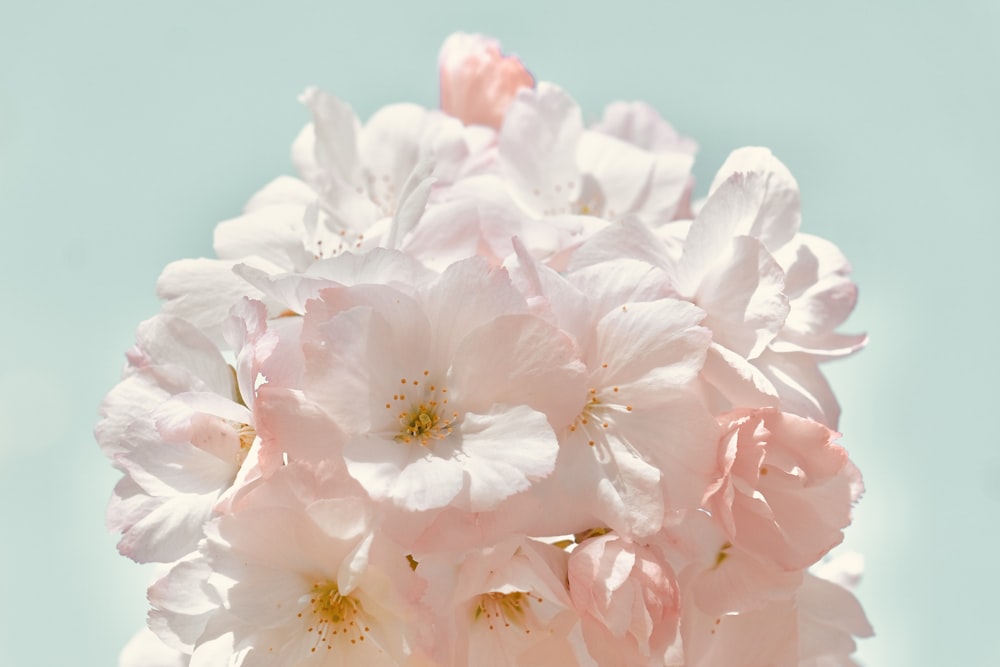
<point x="485" y="385"/>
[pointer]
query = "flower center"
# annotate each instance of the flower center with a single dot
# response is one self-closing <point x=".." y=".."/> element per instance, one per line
<point x="505" y="609"/>
<point x="424" y="421"/>
<point x="596" y="414"/>
<point x="334" y="615"/>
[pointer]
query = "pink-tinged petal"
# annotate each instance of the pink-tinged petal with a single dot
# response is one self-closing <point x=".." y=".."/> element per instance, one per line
<point x="652" y="342"/>
<point x="807" y="259"/>
<point x="740" y="582"/>
<point x="830" y="617"/>
<point x="801" y="386"/>
<point x="821" y="295"/>
<point x="478" y="82"/>
<point x="169" y="531"/>
<point x="466" y="296"/>
<point x="336" y="355"/>
<point x="562" y="233"/>
<point x="133" y="398"/>
<point x="486" y="208"/>
<point x="482" y="633"/>
<point x="718" y="577"/>
<point x="128" y="504"/>
<point x="628" y="598"/>
<point x="396" y="139"/>
<point x="328" y="146"/>
<point x="626" y="239"/>
<point x="164" y="468"/>
<point x="821" y="348"/>
<point x="165" y="341"/>
<point x="411" y="476"/>
<point x="641" y="125"/>
<point x="253" y="470"/>
<point x="356" y="357"/>
<point x="182" y="603"/>
<point x="145" y="649"/>
<point x="507" y="449"/>
<point x="465" y="227"/>
<point x="379" y="266"/>
<point x="217" y="651"/>
<point x="247" y="332"/>
<point x="529" y="363"/>
<point x="794" y="487"/>
<point x="753" y="194"/>
<point x="550" y="295"/>
<point x="623" y="172"/>
<point x="341" y="219"/>
<point x="669" y="193"/>
<point x="631" y="180"/>
<point x="670" y="428"/>
<point x="202" y="291"/>
<point x="765" y="637"/>
<point x="611" y="284"/>
<point x="294" y="535"/>
<point x="288" y="422"/>
<point x="282" y="191"/>
<point x="624" y="490"/>
<point x="737" y="380"/>
<point x="537" y="145"/>
<point x="744" y="298"/>
<point x="823" y="306"/>
<point x="176" y="417"/>
<point x="343" y="518"/>
<point x="274" y="234"/>
<point x="411" y="204"/>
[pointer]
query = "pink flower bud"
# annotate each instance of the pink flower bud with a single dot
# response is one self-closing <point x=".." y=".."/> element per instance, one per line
<point x="478" y="82"/>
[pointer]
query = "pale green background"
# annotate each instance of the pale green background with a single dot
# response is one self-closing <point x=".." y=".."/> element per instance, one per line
<point x="128" y="129"/>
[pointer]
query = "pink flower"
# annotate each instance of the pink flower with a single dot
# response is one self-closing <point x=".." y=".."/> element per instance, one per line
<point x="628" y="599"/>
<point x="296" y="575"/>
<point x="642" y="354"/>
<point x="478" y="82"/>
<point x="830" y="617"/>
<point x="788" y="491"/>
<point x="179" y="428"/>
<point x="504" y="605"/>
<point x="448" y="396"/>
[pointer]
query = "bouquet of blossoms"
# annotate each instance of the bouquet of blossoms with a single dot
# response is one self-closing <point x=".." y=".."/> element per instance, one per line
<point x="485" y="385"/>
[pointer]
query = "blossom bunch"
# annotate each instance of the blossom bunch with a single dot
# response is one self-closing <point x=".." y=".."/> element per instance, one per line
<point x="487" y="385"/>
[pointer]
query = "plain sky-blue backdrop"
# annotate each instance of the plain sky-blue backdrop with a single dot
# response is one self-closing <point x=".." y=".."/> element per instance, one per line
<point x="129" y="128"/>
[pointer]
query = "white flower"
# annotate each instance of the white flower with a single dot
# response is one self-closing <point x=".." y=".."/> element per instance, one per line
<point x="450" y="397"/>
<point x="505" y="605"/>
<point x="179" y="428"/>
<point x="294" y="576"/>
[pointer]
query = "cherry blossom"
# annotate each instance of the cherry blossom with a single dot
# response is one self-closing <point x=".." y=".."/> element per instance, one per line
<point x="181" y="432"/>
<point x="788" y="490"/>
<point x="478" y="82"/>
<point x="628" y="599"/>
<point x="424" y="418"/>
<point x="507" y="604"/>
<point x="295" y="575"/>
<point x="486" y="385"/>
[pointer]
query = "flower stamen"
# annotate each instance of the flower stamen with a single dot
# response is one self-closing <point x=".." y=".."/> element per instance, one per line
<point x="508" y="609"/>
<point x="427" y="420"/>
<point x="334" y="615"/>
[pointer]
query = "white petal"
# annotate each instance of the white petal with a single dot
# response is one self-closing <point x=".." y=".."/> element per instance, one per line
<point x="507" y="449"/>
<point x="537" y="145"/>
<point x="754" y="194"/>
